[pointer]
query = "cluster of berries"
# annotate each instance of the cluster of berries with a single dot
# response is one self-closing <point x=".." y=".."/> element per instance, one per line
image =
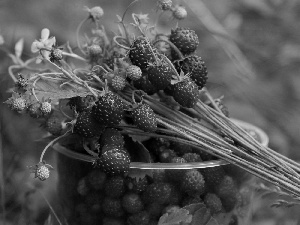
<point x="123" y="199"/>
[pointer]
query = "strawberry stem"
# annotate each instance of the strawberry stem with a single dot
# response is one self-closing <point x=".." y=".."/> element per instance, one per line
<point x="77" y="34"/>
<point x="51" y="143"/>
<point x="120" y="45"/>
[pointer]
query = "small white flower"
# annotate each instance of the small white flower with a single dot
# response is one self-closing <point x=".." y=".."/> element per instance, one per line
<point x="44" y="43"/>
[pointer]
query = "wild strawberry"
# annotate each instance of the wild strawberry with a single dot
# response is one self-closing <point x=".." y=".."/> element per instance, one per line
<point x="184" y="39"/>
<point x="86" y="126"/>
<point x="195" y="67"/>
<point x="132" y="203"/>
<point x="108" y="110"/>
<point x="56" y="54"/>
<point x="158" y="192"/>
<point x="144" y="117"/>
<point x="192" y="157"/>
<point x="96" y="179"/>
<point x="213" y="176"/>
<point x="164" y="4"/>
<point x="160" y="73"/>
<point x="176" y="174"/>
<point x="213" y="202"/>
<point x="144" y="84"/>
<point x="18" y="104"/>
<point x="112" y="207"/>
<point x="180" y="148"/>
<point x="228" y="192"/>
<point x="46" y="108"/>
<point x="186" y="93"/>
<point x="193" y="182"/>
<point x="34" y="110"/>
<point x="82" y="187"/>
<point x="112" y="136"/>
<point x="142" y="52"/>
<point x="133" y="72"/>
<point x="136" y="185"/>
<point x="115" y="187"/>
<point x="166" y="155"/>
<point x="54" y="124"/>
<point x="141" y="218"/>
<point x="94" y="51"/>
<point x="94" y="201"/>
<point x="159" y="175"/>
<point x="80" y="104"/>
<point x="179" y="12"/>
<point x="41" y="170"/>
<point x="96" y="13"/>
<point x="118" y="83"/>
<point x="22" y="82"/>
<point x="114" y="161"/>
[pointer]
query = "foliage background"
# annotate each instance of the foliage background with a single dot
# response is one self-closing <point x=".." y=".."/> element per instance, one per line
<point x="266" y="32"/>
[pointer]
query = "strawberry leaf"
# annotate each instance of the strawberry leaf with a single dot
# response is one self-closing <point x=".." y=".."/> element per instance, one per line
<point x="201" y="216"/>
<point x="57" y="89"/>
<point x="177" y="217"/>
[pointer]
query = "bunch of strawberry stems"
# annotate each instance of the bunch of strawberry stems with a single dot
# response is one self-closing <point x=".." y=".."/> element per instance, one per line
<point x="253" y="157"/>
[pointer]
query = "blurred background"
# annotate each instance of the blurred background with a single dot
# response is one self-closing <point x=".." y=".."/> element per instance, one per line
<point x="252" y="51"/>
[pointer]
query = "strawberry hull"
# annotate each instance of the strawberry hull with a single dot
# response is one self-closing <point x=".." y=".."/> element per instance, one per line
<point x="90" y="196"/>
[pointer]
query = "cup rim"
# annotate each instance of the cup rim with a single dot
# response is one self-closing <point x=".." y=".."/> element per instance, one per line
<point x="264" y="140"/>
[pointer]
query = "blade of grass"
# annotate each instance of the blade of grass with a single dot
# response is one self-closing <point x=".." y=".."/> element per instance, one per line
<point x="2" y="176"/>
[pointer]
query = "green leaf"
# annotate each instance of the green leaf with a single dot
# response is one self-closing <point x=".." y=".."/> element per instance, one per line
<point x="201" y="216"/>
<point x="176" y="217"/>
<point x="58" y="89"/>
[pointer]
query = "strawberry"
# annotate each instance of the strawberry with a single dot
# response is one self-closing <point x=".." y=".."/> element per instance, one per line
<point x="80" y="104"/>
<point x="213" y="202"/>
<point x="136" y="185"/>
<point x="141" y="218"/>
<point x="213" y="176"/>
<point x="41" y="170"/>
<point x="132" y="203"/>
<point x="193" y="182"/>
<point x="22" y="82"/>
<point x="94" y="52"/>
<point x="82" y="187"/>
<point x="54" y="124"/>
<point x="108" y="110"/>
<point x="46" y="108"/>
<point x="115" y="187"/>
<point x="181" y="148"/>
<point x="179" y="12"/>
<point x="188" y="200"/>
<point x="114" y="161"/>
<point x="160" y="73"/>
<point x="86" y="126"/>
<point x="133" y="72"/>
<point x="164" y="4"/>
<point x="56" y="54"/>
<point x="144" y="84"/>
<point x="94" y="201"/>
<point x="18" y="104"/>
<point x="34" y="110"/>
<point x="142" y="52"/>
<point x="166" y="155"/>
<point x="185" y="92"/>
<point x="192" y="157"/>
<point x="112" y="207"/>
<point x="176" y="174"/>
<point x="227" y="192"/>
<point x="184" y="39"/>
<point x="112" y="136"/>
<point x="118" y="82"/>
<point x="96" y="179"/>
<point x="196" y="68"/>
<point x="158" y="192"/>
<point x="144" y="117"/>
